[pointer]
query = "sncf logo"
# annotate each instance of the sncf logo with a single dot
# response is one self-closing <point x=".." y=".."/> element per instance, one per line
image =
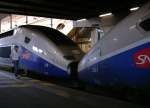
<point x="26" y="55"/>
<point x="142" y="58"/>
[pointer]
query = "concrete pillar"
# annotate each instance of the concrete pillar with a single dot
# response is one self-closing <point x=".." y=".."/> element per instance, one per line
<point x="10" y="21"/>
<point x="26" y="19"/>
<point x="51" y="22"/>
<point x="0" y="26"/>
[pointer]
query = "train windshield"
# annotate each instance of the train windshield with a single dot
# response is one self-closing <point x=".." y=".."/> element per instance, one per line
<point x="57" y="37"/>
<point x="146" y="24"/>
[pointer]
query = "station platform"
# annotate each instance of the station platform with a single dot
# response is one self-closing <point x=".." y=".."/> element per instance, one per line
<point x="29" y="93"/>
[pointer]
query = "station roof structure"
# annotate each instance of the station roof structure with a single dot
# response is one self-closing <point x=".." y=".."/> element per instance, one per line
<point x="67" y="9"/>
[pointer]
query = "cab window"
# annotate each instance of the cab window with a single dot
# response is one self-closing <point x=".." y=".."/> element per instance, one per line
<point x="145" y="24"/>
<point x="5" y="52"/>
<point x="27" y="40"/>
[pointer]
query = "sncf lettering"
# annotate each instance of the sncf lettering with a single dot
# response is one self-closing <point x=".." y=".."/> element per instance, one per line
<point x="142" y="58"/>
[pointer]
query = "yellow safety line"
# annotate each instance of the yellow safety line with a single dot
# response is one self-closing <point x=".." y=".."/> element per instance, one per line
<point x="35" y="80"/>
<point x="46" y="84"/>
<point x="15" y="86"/>
<point x="19" y="85"/>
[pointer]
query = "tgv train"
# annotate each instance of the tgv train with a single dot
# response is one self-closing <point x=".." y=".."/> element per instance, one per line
<point x="42" y="50"/>
<point x="122" y="57"/>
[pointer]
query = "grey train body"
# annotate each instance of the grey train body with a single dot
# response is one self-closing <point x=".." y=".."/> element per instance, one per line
<point x="122" y="57"/>
<point x="42" y="49"/>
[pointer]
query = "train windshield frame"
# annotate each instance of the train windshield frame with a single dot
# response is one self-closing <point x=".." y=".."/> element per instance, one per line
<point x="55" y="36"/>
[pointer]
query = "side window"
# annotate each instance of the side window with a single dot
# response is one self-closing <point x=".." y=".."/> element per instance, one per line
<point x="99" y="36"/>
<point x="27" y="40"/>
<point x="145" y="25"/>
<point x="5" y="52"/>
<point x="100" y="54"/>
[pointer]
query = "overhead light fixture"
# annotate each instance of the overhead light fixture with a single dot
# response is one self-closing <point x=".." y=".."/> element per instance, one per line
<point x="106" y="14"/>
<point x="134" y="9"/>
<point x="82" y="19"/>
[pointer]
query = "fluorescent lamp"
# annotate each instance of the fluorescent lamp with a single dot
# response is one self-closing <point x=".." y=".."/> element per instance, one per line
<point x="134" y="8"/>
<point x="82" y="19"/>
<point x="106" y="14"/>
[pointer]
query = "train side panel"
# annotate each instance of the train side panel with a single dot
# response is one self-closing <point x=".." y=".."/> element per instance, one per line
<point x="121" y="57"/>
<point x="129" y="68"/>
<point x="35" y="63"/>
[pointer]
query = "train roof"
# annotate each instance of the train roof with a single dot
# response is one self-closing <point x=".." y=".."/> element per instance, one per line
<point x="54" y="35"/>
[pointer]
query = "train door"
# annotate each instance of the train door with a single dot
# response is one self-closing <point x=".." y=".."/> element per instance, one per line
<point x="44" y="68"/>
<point x="46" y="65"/>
